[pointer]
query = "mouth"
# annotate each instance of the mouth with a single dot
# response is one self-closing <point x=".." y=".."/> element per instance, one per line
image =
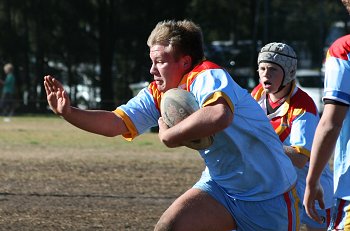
<point x="158" y="81"/>
<point x="267" y="84"/>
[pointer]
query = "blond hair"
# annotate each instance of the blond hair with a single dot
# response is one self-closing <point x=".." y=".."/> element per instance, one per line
<point x="8" y="67"/>
<point x="185" y="37"/>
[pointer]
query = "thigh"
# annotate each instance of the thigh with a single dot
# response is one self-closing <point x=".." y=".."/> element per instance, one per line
<point x="195" y="210"/>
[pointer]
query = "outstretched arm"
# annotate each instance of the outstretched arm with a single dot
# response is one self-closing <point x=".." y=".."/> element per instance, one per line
<point x="96" y="121"/>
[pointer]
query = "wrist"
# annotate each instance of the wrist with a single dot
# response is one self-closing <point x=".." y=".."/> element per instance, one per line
<point x="312" y="180"/>
<point x="65" y="114"/>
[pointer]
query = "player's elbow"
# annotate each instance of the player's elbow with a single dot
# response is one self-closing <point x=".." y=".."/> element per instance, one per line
<point x="299" y="164"/>
<point x="167" y="140"/>
<point x="223" y="117"/>
<point x="110" y="134"/>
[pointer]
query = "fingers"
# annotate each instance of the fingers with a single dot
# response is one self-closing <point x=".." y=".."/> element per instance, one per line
<point x="321" y="203"/>
<point x="314" y="214"/>
<point x="47" y="84"/>
<point x="52" y="85"/>
<point x="310" y="208"/>
<point x="66" y="99"/>
<point x="160" y="120"/>
<point x="57" y="83"/>
<point x="47" y="88"/>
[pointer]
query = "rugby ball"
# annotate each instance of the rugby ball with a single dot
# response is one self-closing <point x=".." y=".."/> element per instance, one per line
<point x="176" y="105"/>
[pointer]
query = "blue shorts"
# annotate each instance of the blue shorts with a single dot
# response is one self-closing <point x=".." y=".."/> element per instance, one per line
<point x="281" y="213"/>
<point x="341" y="215"/>
<point x="325" y="214"/>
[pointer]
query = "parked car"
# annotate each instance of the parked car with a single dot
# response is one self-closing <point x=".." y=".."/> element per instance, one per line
<point x="311" y="81"/>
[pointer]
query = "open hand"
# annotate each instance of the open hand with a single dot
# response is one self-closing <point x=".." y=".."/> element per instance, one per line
<point x="57" y="97"/>
<point x="313" y="194"/>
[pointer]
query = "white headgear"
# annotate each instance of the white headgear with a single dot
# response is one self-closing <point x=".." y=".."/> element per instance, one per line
<point x="282" y="55"/>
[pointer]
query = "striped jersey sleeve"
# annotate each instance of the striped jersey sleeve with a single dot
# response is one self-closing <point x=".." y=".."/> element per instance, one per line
<point x="337" y="75"/>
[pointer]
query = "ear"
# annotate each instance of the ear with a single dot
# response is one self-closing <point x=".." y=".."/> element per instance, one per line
<point x="187" y="61"/>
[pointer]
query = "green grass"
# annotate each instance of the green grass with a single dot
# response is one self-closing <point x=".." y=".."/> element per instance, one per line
<point x="56" y="132"/>
<point x="52" y="133"/>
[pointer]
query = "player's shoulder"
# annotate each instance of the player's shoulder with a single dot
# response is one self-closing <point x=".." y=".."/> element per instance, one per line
<point x="303" y="100"/>
<point x="340" y="48"/>
<point x="257" y="89"/>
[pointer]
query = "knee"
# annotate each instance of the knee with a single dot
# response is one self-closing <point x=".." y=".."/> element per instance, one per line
<point x="169" y="220"/>
<point x="163" y="225"/>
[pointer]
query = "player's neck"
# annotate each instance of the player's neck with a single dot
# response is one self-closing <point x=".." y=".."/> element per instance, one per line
<point x="282" y="94"/>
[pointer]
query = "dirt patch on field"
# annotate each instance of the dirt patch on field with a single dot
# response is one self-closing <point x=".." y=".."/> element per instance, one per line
<point x="119" y="192"/>
<point x="56" y="177"/>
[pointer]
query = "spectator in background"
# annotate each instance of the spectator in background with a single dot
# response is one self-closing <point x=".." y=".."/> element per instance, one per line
<point x="7" y="102"/>
<point x="294" y="116"/>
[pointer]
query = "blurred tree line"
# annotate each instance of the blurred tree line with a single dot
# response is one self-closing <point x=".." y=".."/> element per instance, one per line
<point x="103" y="42"/>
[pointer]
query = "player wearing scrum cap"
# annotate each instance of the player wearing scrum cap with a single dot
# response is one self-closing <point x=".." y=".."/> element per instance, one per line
<point x="294" y="116"/>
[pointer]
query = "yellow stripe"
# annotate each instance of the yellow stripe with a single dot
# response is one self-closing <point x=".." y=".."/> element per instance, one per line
<point x="302" y="151"/>
<point x="282" y="126"/>
<point x="259" y="93"/>
<point x="347" y="218"/>
<point x="157" y="95"/>
<point x="214" y="97"/>
<point x="129" y="124"/>
<point x="296" y="207"/>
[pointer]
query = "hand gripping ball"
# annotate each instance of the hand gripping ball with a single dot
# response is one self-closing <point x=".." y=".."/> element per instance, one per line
<point x="176" y="105"/>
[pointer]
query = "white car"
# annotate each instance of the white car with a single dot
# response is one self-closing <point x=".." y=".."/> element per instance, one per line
<point x="311" y="81"/>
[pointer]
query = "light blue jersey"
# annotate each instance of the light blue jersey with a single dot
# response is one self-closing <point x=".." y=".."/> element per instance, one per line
<point x="246" y="159"/>
<point x="337" y="87"/>
<point x="246" y="168"/>
<point x="240" y="160"/>
<point x="295" y="122"/>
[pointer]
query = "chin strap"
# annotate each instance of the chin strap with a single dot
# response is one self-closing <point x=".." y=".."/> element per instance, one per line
<point x="280" y="89"/>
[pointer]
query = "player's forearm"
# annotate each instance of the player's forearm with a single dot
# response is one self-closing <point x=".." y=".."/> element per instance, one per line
<point x="326" y="135"/>
<point x="322" y="150"/>
<point x="298" y="159"/>
<point x="204" y="122"/>
<point x="100" y="122"/>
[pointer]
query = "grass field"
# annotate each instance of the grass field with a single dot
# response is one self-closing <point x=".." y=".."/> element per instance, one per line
<point x="56" y="177"/>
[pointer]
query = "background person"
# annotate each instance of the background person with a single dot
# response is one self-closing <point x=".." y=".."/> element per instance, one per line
<point x="332" y="132"/>
<point x="294" y="116"/>
<point x="7" y="102"/>
<point x="238" y="188"/>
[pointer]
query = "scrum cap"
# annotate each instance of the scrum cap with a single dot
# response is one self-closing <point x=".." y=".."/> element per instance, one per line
<point x="282" y="55"/>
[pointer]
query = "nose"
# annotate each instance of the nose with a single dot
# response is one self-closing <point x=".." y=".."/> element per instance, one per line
<point x="153" y="69"/>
